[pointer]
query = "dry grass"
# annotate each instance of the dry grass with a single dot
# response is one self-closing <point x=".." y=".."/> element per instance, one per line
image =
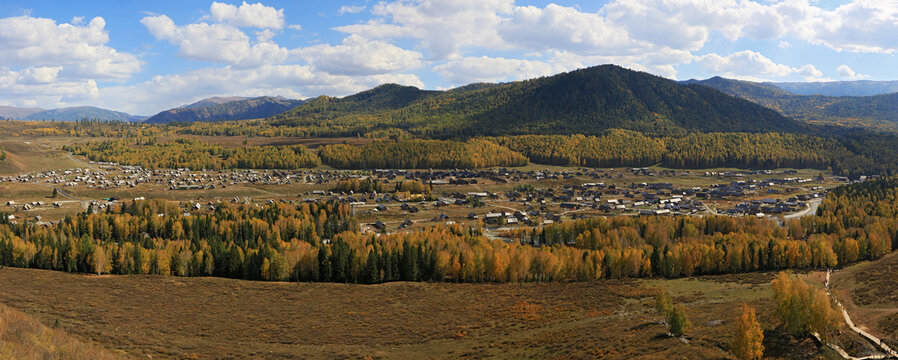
<point x="23" y="337"/>
<point x="208" y="318"/>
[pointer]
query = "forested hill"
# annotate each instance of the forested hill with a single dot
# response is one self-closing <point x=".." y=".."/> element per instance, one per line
<point x="241" y="109"/>
<point x="586" y="101"/>
<point x="880" y="111"/>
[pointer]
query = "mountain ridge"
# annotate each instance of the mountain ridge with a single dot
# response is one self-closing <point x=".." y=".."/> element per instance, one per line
<point x="247" y="108"/>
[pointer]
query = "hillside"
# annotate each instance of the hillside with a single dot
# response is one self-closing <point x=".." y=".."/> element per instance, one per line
<point x="586" y="101"/>
<point x="83" y="112"/>
<point x="870" y="111"/>
<point x="15" y="113"/>
<point x="24" y="337"/>
<point x="209" y="110"/>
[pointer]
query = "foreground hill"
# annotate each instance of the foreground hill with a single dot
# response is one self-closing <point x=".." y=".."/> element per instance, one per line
<point x="81" y="113"/>
<point x="586" y="101"/>
<point x="872" y="111"/>
<point x="12" y="112"/>
<point x="219" y="109"/>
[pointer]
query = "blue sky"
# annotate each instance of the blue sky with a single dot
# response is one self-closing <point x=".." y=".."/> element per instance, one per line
<point x="143" y="57"/>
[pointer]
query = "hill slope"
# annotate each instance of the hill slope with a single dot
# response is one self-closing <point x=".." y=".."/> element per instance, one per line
<point x="586" y="101"/>
<point x="83" y="112"/>
<point x="24" y="337"/>
<point x="208" y="110"/>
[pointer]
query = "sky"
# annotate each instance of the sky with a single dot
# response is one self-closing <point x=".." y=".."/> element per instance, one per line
<point x="143" y="57"/>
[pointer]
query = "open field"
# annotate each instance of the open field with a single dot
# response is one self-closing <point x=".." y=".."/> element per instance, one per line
<point x="168" y="317"/>
<point x="25" y="156"/>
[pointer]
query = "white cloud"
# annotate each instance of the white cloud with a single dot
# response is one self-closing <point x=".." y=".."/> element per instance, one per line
<point x="45" y="63"/>
<point x="487" y="69"/>
<point x="360" y="56"/>
<point x="41" y="86"/>
<point x="215" y="42"/>
<point x="443" y="27"/>
<point x="351" y="9"/>
<point x="564" y="28"/>
<point x="80" y="51"/>
<point x="858" y="26"/>
<point x="848" y="73"/>
<point x="751" y="65"/>
<point x="248" y="15"/>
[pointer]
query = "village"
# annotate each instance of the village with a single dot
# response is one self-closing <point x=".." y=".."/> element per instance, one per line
<point x="494" y="199"/>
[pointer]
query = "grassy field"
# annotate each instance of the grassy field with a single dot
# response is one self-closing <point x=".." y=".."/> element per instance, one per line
<point x="168" y="317"/>
<point x="24" y="156"/>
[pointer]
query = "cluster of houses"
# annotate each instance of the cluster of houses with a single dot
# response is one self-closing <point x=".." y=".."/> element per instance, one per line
<point x="770" y="206"/>
<point x="71" y="177"/>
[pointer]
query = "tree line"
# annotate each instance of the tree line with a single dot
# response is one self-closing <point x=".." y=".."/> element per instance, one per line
<point x="195" y="154"/>
<point x="417" y="154"/>
<point x="322" y="242"/>
<point x="696" y="150"/>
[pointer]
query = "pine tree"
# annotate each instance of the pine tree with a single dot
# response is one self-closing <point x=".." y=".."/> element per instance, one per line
<point x="678" y="321"/>
<point x="324" y="264"/>
<point x="372" y="272"/>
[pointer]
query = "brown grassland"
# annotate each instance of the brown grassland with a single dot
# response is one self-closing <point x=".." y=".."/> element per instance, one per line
<point x="169" y="317"/>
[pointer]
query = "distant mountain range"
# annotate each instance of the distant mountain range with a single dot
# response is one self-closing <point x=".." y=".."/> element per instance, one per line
<point x="212" y="101"/>
<point x="586" y="101"/>
<point x="877" y="111"/>
<point x="82" y="112"/>
<point x="839" y="88"/>
<point x="226" y="108"/>
<point x="11" y="112"/>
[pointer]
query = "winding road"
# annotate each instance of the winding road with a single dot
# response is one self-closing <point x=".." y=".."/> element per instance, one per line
<point x="811" y="210"/>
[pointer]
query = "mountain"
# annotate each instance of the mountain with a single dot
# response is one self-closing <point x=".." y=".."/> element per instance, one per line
<point x="212" y="101"/>
<point x="586" y="101"/>
<point x="878" y="111"/>
<point x="83" y="112"/>
<point x="839" y="88"/>
<point x="217" y="109"/>
<point x="11" y="112"/>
